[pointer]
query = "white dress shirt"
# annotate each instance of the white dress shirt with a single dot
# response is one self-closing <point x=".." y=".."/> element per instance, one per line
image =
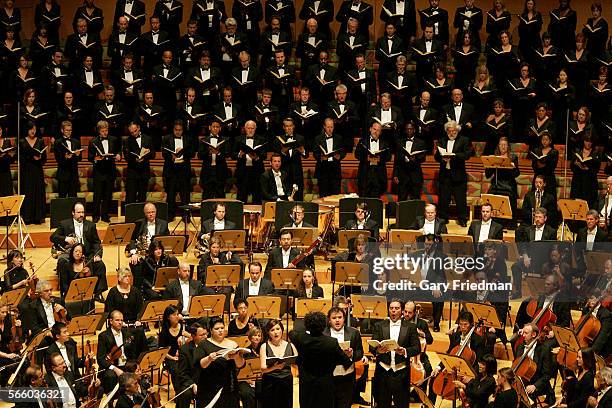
<point x="339" y="335"/>
<point x="590" y="238"/>
<point x="329" y="146"/>
<point x="362" y="75"/>
<point x="205" y="73"/>
<point x="429" y="227"/>
<point x="254" y="287"/>
<point x="394" y="332"/>
<point x="185" y="294"/>
<point x="213" y="157"/>
<point x="105" y="148"/>
<point x="89" y="78"/>
<point x="128" y="7"/>
<point x="285" y="257"/>
<point x="385" y="115"/>
<point x="218" y="225"/>
<point x="70" y="401"/>
<point x="279" y="182"/>
<point x="48" y="306"/>
<point x="245" y="75"/>
<point x="251" y="143"/>
<point x="64" y="353"/>
<point x="449" y="148"/>
<point x="484" y="231"/>
<point x="151" y="228"/>
<point x="78" y="230"/>
<point x="538" y="233"/>
<point x="118" y="336"/>
<point x="228" y="111"/>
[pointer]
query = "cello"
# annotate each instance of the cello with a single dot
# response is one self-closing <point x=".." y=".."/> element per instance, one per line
<point x="524" y="366"/>
<point x="541" y="317"/>
<point x="443" y="384"/>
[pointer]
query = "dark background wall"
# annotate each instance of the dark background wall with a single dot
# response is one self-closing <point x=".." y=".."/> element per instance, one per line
<point x="583" y="8"/>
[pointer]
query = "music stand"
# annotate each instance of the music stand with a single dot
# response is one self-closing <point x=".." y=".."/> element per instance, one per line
<point x="251" y="370"/>
<point x="117" y="234"/>
<point x="351" y="274"/>
<point x="567" y="340"/>
<point x="206" y="306"/>
<point x="287" y="279"/>
<point x="81" y="290"/>
<point x="85" y="324"/>
<point x="345" y="236"/>
<point x="424" y="398"/>
<point x="304" y="306"/>
<point x="595" y="261"/>
<point x="222" y="275"/>
<point x="154" y="310"/>
<point x="302" y="237"/>
<point x="152" y="360"/>
<point x="485" y="313"/>
<point x="241" y="341"/>
<point x="265" y="307"/>
<point x="369" y="307"/>
<point x="231" y="240"/>
<point x="163" y="276"/>
<point x="458" y="364"/>
<point x="173" y="244"/>
<point x="12" y="298"/>
<point x="500" y="205"/>
<point x="450" y="241"/>
<point x="30" y="348"/>
<point x="572" y="209"/>
<point x="496" y="163"/>
<point x="404" y="237"/>
<point x="10" y="206"/>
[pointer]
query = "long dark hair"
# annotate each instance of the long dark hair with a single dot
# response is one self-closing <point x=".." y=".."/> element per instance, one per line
<point x="155" y="244"/>
<point x="271" y="323"/>
<point x="170" y="310"/>
<point x="14" y="253"/>
<point x="301" y="289"/>
<point x="71" y="253"/>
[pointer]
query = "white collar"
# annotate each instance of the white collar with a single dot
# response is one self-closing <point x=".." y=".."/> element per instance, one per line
<point x="397" y="323"/>
<point x="485" y="222"/>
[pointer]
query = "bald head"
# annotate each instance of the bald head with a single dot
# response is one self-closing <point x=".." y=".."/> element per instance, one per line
<point x="184" y="271"/>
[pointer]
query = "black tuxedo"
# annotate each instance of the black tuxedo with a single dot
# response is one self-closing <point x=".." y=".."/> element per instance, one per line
<point x="55" y="85"/>
<point x="115" y="117"/>
<point x="224" y="46"/>
<point x="91" y="240"/>
<point x="153" y="124"/>
<point x="74" y="114"/>
<point x="161" y="229"/>
<point x="345" y="119"/>
<point x="152" y="51"/>
<point x="438" y="18"/>
<point x="189" y="48"/>
<point x="245" y="91"/>
<point x="324" y="14"/>
<point x="307" y="51"/>
<point x="307" y="126"/>
<point x="126" y="91"/>
<point x="133" y="345"/>
<point x="76" y="51"/>
<point x="282" y="88"/>
<point x="78" y="388"/>
<point x="214" y="174"/>
<point x="427" y="127"/>
<point x="37" y="317"/>
<point x="496" y="230"/>
<point x="67" y="168"/>
<point x="344" y="384"/>
<point x="71" y="351"/>
<point x="425" y="61"/>
<point x="266" y="287"/>
<point x="321" y="88"/>
<point x="194" y="119"/>
<point x="372" y="178"/>
<point x="390" y="131"/>
<point x="346" y="53"/>
<point x="547" y="201"/>
<point x="475" y="24"/>
<point x="138" y="173"/>
<point x="386" y="58"/>
<point x="169" y="19"/>
<point x="269" y="190"/>
<point x="286" y="13"/>
<point x="104" y="174"/>
<point x="453" y="180"/>
<point x="136" y="18"/>
<point x="95" y="20"/>
<point x="208" y="226"/>
<point x="401" y="94"/>
<point x="209" y="18"/>
<point x="370" y="225"/>
<point x="117" y="49"/>
<point x="229" y="125"/>
<point x="247" y="177"/>
<point x="206" y="89"/>
<point x="165" y="86"/>
<point x="187" y="373"/>
<point x="292" y="163"/>
<point x="318" y="356"/>
<point x="364" y="15"/>
<point x="467" y="116"/>
<point x="275" y="261"/>
<point x="267" y="47"/>
<point x="549" y="233"/>
<point x="476" y="344"/>
<point x="363" y="96"/>
<point x="407" y="169"/>
<point x="439" y="225"/>
<point x="248" y="15"/>
<point x="206" y="260"/>
<point x="406" y="23"/>
<point x="392" y="385"/>
<point x="329" y="173"/>
<point x="173" y="291"/>
<point x="600" y="237"/>
<point x="88" y="93"/>
<point x="177" y="171"/>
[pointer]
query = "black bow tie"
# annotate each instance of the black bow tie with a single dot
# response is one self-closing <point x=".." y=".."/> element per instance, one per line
<point x="166" y="66"/>
<point x="230" y="35"/>
<point x="83" y="35"/>
<point x="458" y="104"/>
<point x="280" y="67"/>
<point x="188" y="105"/>
<point x="245" y="69"/>
<point x="88" y="70"/>
<point x="372" y="140"/>
<point x="427" y="41"/>
<point x="154" y="32"/>
<point x="129" y="1"/>
<point x="128" y="71"/>
<point x="109" y="104"/>
<point x="329" y="136"/>
<point x="386" y="110"/>
<point x="228" y="105"/>
<point x="304" y="104"/>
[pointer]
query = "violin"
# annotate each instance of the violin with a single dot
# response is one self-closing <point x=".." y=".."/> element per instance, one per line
<point x="92" y="390"/>
<point x="541" y="318"/>
<point x="116" y="352"/>
<point x="153" y="398"/>
<point x="417" y="370"/>
<point x="89" y="365"/>
<point x="32" y="282"/>
<point x="443" y="384"/>
<point x="16" y="343"/>
<point x="61" y="315"/>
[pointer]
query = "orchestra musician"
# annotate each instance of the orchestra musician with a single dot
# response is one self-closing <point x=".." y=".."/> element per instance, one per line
<point x="479" y="389"/>
<point x="15" y="276"/>
<point x="486" y="228"/>
<point x="78" y="267"/>
<point x="6" y="336"/>
<point x="156" y="258"/>
<point x="429" y="223"/>
<point x="277" y="380"/>
<point x="602" y="344"/>
<point x="173" y="334"/>
<point x="538" y="197"/>
<point x="61" y="377"/>
<point x="217" y="257"/>
<point x="150" y="226"/>
<point x="243" y="322"/>
<point x="540" y="353"/>
<point x="308" y="287"/>
<point x="132" y="393"/>
<point x="411" y="313"/>
<point x="604" y="206"/>
<point x="282" y="256"/>
<point x="275" y="183"/>
<point x="604" y="396"/>
<point x="184" y="288"/>
<point x="432" y="271"/>
<point x="344" y="379"/>
<point x="43" y="309"/>
<point x="217" y="223"/>
<point x="363" y="221"/>
<point x="505" y="395"/>
<point x="255" y="285"/>
<point x="392" y="372"/>
<point x="188" y="368"/>
<point x="297" y="216"/>
<point x="125" y="297"/>
<point x="579" y="384"/>
<point x="112" y="359"/>
<point x="591" y="237"/>
<point x="33" y="377"/>
<point x="249" y="389"/>
<point x="62" y="344"/>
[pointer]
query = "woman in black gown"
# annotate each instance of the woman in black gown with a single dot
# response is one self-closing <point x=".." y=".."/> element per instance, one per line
<point x="547" y="61"/>
<point x="244" y="322"/>
<point x="33" y="156"/>
<point x="465" y="60"/>
<point x="439" y="87"/>
<point x="498" y="125"/>
<point x="541" y="124"/>
<point x="560" y="97"/>
<point x="544" y="159"/>
<point x="600" y="102"/>
<point x="562" y="25"/>
<point x="498" y="20"/>
<point x="124" y="297"/>
<point x="596" y="31"/>
<point x="579" y="384"/>
<point x="15" y="276"/>
<point x="523" y="92"/>
<point x="10" y="52"/>
<point x="577" y="62"/>
<point x="479" y="389"/>
<point x="32" y="111"/>
<point x="48" y="13"/>
<point x="503" y="61"/>
<point x="585" y="166"/>
<point x="173" y="334"/>
<point x="580" y="127"/>
<point x="250" y="389"/>
<point x="9" y="156"/>
<point x="529" y="28"/>
<point x="218" y="377"/>
<point x="156" y="258"/>
<point x="308" y="287"/>
<point x="78" y="267"/>
<point x="6" y="336"/>
<point x="503" y="181"/>
<point x="21" y="78"/>
<point x="41" y="50"/>
<point x="505" y="394"/>
<point x="481" y="94"/>
<point x="277" y="381"/>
